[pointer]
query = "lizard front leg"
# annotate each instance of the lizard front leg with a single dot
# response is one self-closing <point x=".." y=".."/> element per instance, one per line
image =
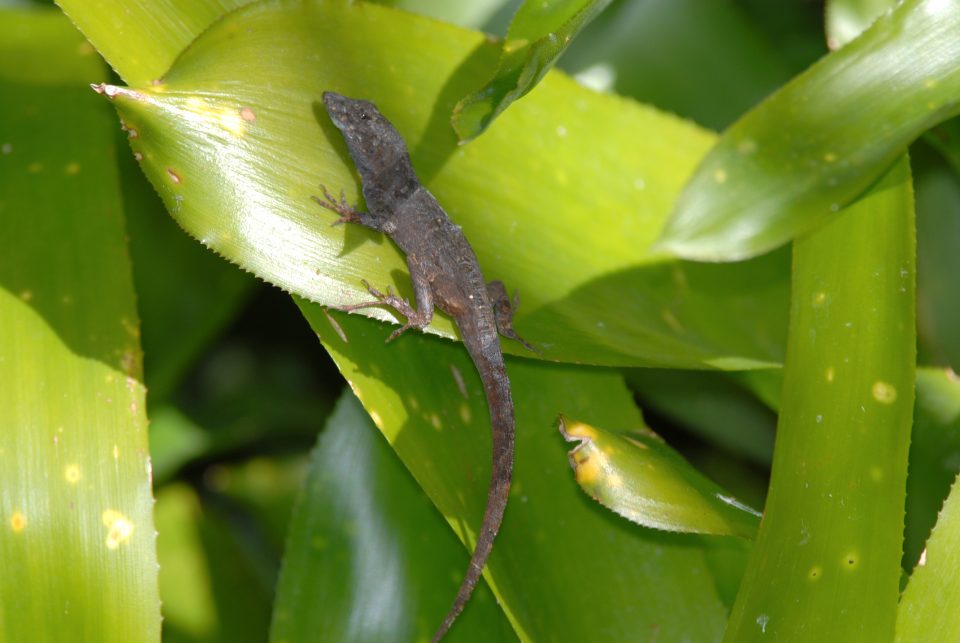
<point x="347" y="212"/>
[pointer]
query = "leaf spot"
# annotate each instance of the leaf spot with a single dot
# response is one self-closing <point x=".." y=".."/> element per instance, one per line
<point x="883" y="392"/>
<point x="18" y="522"/>
<point x="119" y="528"/>
<point x="72" y="473"/>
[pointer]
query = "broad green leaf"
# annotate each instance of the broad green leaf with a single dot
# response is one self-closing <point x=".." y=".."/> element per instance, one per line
<point x="810" y="149"/>
<point x="927" y="611"/>
<point x="140" y="40"/>
<point x="76" y="530"/>
<point x="934" y="456"/>
<point x="637" y="475"/>
<point x="274" y="148"/>
<point x="368" y="557"/>
<point x="719" y="63"/>
<point x="711" y="406"/>
<point x="826" y="563"/>
<point x="425" y="397"/>
<point x="847" y="18"/>
<point x="540" y="32"/>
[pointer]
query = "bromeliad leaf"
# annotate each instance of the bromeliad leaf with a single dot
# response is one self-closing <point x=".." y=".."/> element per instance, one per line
<point x="819" y="142"/>
<point x="637" y="475"/>
<point x="437" y="423"/>
<point x="76" y="526"/>
<point x="539" y="34"/>
<point x="236" y="161"/>
<point x="839" y="466"/>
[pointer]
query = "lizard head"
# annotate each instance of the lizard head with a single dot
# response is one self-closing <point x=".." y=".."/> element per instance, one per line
<point x="374" y="143"/>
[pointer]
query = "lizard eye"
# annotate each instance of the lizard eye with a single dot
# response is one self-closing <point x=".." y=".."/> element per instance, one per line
<point x="364" y="116"/>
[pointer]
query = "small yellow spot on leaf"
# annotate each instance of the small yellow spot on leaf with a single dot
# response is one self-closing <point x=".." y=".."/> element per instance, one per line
<point x="116" y="452"/>
<point x="720" y="176"/>
<point x="119" y="528"/>
<point x="829" y="157"/>
<point x="830" y="374"/>
<point x="72" y="473"/>
<point x="18" y="522"/>
<point x="72" y="168"/>
<point x="815" y="573"/>
<point x="883" y="392"/>
<point x="35" y="167"/>
<point x="26" y="295"/>
<point x="465" y="414"/>
<point x="819" y="298"/>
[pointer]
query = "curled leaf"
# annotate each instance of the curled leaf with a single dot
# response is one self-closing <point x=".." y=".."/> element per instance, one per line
<point x="640" y="477"/>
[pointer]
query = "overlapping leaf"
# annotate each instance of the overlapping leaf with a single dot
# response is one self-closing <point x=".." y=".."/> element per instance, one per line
<point x="819" y="142"/>
<point x="540" y="32"/>
<point x="369" y="558"/>
<point x="236" y="141"/>
<point x="437" y="423"/>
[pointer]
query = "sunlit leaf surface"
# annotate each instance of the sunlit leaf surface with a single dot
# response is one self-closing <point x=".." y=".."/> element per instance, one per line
<point x="236" y="141"/>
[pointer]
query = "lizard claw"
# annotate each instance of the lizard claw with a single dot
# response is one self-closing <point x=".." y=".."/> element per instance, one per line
<point x="348" y="214"/>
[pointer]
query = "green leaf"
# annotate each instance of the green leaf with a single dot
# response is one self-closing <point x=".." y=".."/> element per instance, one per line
<point x="540" y="32"/>
<point x="141" y="40"/>
<point x="846" y="19"/>
<point x="77" y="534"/>
<point x="934" y="584"/>
<point x="274" y="149"/>
<point x="424" y="395"/>
<point x="814" y="146"/>
<point x="368" y="558"/>
<point x="636" y="474"/>
<point x="826" y="564"/>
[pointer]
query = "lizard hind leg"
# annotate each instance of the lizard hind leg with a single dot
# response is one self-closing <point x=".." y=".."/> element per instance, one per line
<point x="503" y="310"/>
<point x="418" y="319"/>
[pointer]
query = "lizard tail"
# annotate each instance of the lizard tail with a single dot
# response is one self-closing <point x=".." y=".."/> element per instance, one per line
<point x="501" y="416"/>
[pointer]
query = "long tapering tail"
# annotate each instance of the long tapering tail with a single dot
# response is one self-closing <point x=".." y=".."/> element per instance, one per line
<point x="497" y="389"/>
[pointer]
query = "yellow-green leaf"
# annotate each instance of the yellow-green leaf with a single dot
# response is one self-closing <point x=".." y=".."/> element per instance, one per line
<point x="636" y="474"/>
<point x="76" y="527"/>
<point x="236" y="141"/>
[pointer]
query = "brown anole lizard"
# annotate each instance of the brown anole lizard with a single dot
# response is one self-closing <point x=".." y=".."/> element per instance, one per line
<point x="446" y="275"/>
